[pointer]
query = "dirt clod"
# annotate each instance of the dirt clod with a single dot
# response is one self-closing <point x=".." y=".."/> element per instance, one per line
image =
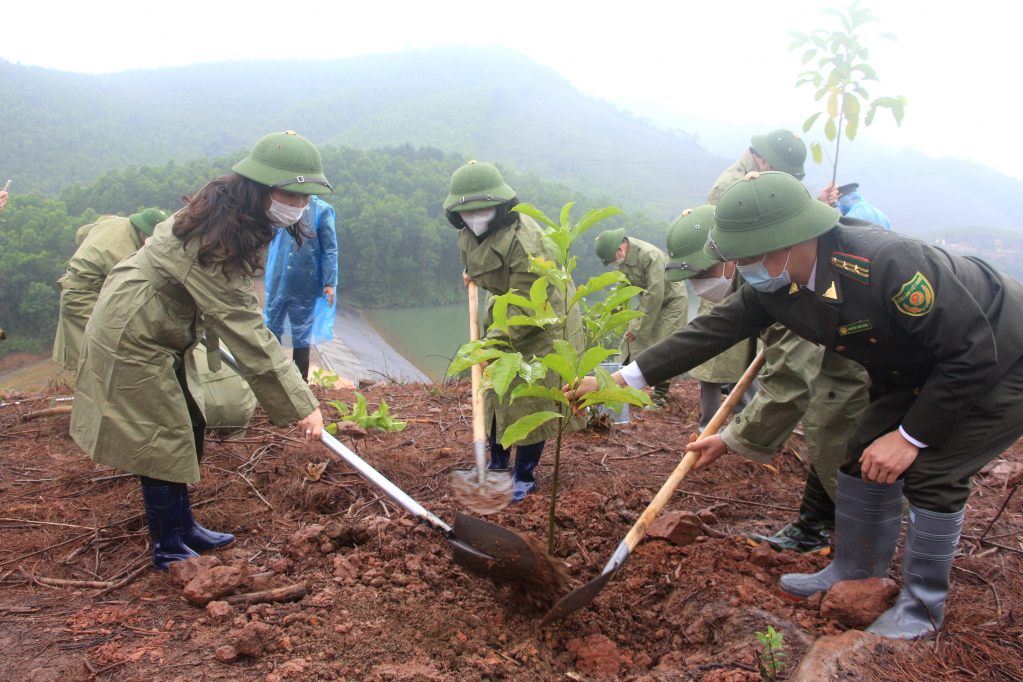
<point x="226" y="654"/>
<point x="595" y="654"/>
<point x="252" y="639"/>
<point x="182" y="572"/>
<point x="858" y="603"/>
<point x="679" y="528"/>
<point x="763" y="555"/>
<point x="220" y="610"/>
<point x="215" y="583"/>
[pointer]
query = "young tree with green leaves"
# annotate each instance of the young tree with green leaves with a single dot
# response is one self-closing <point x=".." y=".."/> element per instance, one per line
<point x="505" y="364"/>
<point x="847" y="56"/>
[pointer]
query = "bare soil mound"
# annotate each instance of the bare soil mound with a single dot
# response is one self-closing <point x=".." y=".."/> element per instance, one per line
<point x="384" y="601"/>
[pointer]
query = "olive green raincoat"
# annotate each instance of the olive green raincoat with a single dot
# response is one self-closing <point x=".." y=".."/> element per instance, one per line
<point x="499" y="264"/>
<point x="726" y="368"/>
<point x="798" y="383"/>
<point x="665" y="305"/>
<point x="101" y="246"/>
<point x="228" y="399"/>
<point x="737" y="171"/>
<point x="133" y="408"/>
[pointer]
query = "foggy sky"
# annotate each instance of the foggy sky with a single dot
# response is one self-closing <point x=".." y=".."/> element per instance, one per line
<point x="957" y="63"/>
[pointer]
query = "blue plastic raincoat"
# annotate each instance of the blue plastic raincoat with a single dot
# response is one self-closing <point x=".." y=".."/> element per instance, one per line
<point x="296" y="311"/>
<point x="854" y="206"/>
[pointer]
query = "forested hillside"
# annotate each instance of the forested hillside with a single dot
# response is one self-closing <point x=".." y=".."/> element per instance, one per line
<point x="395" y="246"/>
<point x="490" y="103"/>
<point x="495" y="104"/>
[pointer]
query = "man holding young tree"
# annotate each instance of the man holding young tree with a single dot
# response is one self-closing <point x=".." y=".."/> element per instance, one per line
<point x="941" y="336"/>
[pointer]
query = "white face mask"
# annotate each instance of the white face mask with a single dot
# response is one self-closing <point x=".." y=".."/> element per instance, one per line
<point x="479" y="220"/>
<point x="617" y="262"/>
<point x="714" y="290"/>
<point x="282" y="215"/>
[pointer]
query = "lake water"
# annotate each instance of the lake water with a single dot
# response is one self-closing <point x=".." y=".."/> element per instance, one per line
<point x="428" y="336"/>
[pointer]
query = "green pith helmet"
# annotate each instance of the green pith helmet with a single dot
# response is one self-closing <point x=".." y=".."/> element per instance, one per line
<point x="147" y="221"/>
<point x="783" y="150"/>
<point x="477" y="185"/>
<point x="687" y="238"/>
<point x="767" y="212"/>
<point x="285" y="161"/>
<point x="608" y="243"/>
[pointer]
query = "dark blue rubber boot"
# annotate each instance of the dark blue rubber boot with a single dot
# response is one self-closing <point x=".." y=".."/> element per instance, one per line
<point x="163" y="513"/>
<point x="195" y="536"/>
<point x="526" y="459"/>
<point x="499" y="457"/>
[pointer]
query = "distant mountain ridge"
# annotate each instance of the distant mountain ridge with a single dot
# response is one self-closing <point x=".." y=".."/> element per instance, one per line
<point x="493" y="103"/>
<point x="57" y="128"/>
<point x="920" y="194"/>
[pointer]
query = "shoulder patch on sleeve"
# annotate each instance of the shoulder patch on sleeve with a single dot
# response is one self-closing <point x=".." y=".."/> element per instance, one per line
<point x="916" y="298"/>
<point x="854" y="267"/>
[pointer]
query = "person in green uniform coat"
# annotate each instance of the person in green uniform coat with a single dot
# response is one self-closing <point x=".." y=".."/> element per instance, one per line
<point x="138" y="406"/>
<point x="779" y="150"/>
<point x="496" y="244"/>
<point x="799" y="382"/>
<point x="941" y="336"/>
<point x="713" y="282"/>
<point x="103" y="244"/>
<point x="665" y="305"/>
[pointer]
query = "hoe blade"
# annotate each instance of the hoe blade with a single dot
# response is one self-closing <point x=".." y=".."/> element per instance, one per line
<point x="510" y="556"/>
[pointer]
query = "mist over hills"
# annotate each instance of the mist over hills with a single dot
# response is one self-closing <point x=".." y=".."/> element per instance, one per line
<point x="920" y="194"/>
<point x="494" y="104"/>
<point x="490" y="103"/>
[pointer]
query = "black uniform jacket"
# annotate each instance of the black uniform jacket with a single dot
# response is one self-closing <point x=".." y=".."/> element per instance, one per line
<point x="934" y="330"/>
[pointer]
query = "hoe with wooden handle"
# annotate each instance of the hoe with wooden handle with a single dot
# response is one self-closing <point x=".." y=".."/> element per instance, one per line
<point x="580" y="598"/>
<point x="483" y="490"/>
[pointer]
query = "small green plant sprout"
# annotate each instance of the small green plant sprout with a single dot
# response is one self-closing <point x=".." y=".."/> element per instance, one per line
<point x="360" y="415"/>
<point x="842" y="85"/>
<point x="567" y="365"/>
<point x="324" y="378"/>
<point x="770" y="661"/>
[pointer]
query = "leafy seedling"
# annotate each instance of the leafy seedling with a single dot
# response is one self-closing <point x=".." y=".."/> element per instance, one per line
<point x="359" y="414"/>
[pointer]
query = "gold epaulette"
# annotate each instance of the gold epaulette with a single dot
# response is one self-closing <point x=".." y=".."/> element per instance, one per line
<point x="854" y="267"/>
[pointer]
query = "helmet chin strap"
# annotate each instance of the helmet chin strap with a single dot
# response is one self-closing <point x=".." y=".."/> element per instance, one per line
<point x="300" y="180"/>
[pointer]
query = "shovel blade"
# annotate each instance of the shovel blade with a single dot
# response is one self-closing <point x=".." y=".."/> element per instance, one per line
<point x="509" y="556"/>
<point x="577" y="599"/>
<point x="492" y="495"/>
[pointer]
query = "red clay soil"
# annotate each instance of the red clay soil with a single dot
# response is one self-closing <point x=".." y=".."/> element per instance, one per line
<point x="385" y="600"/>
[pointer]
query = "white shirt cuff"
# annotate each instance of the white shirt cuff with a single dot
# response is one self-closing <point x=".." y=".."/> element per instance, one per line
<point x="912" y="440"/>
<point x="633" y="376"/>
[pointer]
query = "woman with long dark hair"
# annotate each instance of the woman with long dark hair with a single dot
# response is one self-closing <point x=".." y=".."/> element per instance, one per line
<point x="138" y="405"/>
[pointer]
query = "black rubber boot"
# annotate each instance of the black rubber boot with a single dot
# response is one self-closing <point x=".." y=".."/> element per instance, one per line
<point x="931" y="540"/>
<point x="163" y="513"/>
<point x="808" y="533"/>
<point x="195" y="536"/>
<point x="868" y="518"/>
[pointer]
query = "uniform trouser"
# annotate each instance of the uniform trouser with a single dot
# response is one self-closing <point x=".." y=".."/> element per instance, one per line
<point x="803" y="382"/>
<point x="710" y="400"/>
<point x="301" y="358"/>
<point x="526" y="457"/>
<point x="938" y="480"/>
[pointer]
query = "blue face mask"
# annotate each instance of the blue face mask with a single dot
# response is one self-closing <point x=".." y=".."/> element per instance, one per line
<point x="757" y="276"/>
